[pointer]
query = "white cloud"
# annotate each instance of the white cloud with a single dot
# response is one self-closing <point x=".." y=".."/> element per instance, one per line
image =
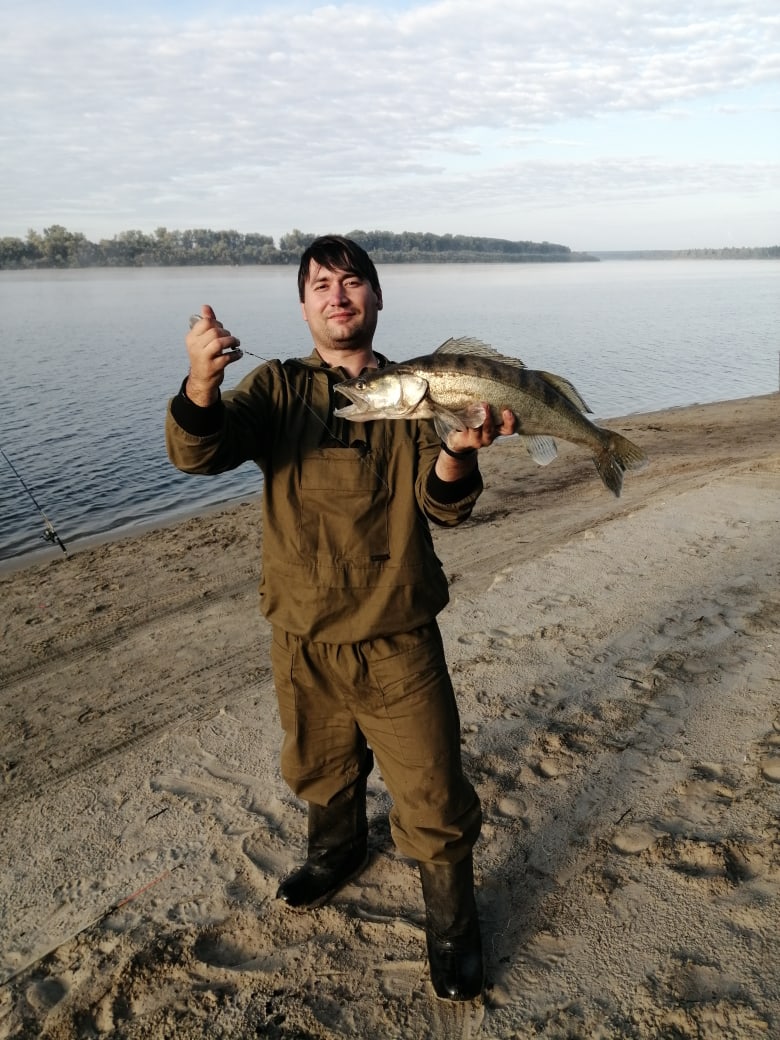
<point x="288" y="116"/>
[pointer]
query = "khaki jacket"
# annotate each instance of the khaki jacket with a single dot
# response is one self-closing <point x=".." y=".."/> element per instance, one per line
<point x="347" y="551"/>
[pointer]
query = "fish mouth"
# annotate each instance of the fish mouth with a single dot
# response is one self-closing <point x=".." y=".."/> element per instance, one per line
<point x="357" y="405"/>
<point x="348" y="391"/>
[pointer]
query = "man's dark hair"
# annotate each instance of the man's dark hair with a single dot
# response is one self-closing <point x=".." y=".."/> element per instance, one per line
<point x="337" y="253"/>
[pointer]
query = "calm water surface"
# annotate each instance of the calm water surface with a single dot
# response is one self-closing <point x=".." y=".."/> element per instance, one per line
<point x="89" y="359"/>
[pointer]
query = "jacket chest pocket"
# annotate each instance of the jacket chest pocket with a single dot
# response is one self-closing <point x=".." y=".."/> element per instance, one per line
<point x="343" y="507"/>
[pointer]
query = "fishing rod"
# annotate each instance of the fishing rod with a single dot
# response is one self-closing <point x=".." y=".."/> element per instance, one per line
<point x="49" y="534"/>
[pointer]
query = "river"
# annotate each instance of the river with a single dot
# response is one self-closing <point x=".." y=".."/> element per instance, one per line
<point x="89" y="359"/>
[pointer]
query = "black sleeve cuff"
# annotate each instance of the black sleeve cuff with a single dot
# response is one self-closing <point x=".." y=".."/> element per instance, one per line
<point x="447" y="492"/>
<point x="197" y="421"/>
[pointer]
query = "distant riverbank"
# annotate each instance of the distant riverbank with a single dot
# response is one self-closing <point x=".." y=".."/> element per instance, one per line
<point x="744" y="253"/>
<point x="57" y="247"/>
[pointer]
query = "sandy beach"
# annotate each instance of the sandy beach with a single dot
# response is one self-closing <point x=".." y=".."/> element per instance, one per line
<point x="617" y="668"/>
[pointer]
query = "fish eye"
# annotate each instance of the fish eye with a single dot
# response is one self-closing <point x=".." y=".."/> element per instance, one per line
<point x="360" y="384"/>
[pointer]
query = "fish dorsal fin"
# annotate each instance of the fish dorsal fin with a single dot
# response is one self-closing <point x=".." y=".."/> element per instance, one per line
<point x="563" y="386"/>
<point x="469" y="345"/>
<point x="475" y="347"/>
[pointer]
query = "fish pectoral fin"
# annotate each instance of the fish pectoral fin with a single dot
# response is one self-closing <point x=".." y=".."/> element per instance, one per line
<point x="472" y="415"/>
<point x="447" y="423"/>
<point x="468" y="418"/>
<point x="543" y="450"/>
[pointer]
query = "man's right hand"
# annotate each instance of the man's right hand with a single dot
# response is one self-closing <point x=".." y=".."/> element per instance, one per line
<point x="211" y="349"/>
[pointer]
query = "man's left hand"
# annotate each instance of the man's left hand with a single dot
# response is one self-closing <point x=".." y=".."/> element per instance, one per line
<point x="482" y="436"/>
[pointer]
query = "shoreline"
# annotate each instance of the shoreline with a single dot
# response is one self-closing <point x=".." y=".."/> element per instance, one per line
<point x="40" y="556"/>
<point x="616" y="668"/>
<point x="129" y="530"/>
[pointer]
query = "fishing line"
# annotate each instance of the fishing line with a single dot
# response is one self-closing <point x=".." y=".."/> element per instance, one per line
<point x="49" y="534"/>
<point x="363" y="450"/>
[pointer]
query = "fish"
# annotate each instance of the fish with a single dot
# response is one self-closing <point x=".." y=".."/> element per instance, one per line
<point x="449" y="386"/>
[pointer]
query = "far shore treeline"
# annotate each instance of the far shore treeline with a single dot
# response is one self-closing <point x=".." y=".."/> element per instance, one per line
<point x="57" y="247"/>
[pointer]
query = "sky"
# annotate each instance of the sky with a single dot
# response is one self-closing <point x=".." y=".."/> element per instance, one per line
<point x="630" y="124"/>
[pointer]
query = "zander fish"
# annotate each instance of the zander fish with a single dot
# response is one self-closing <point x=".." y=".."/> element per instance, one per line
<point x="449" y="385"/>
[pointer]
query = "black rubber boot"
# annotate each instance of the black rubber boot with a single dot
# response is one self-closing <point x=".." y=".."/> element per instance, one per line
<point x="337" y="849"/>
<point x="452" y="929"/>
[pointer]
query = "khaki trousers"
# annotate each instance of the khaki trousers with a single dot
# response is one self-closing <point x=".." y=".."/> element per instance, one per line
<point x="391" y="695"/>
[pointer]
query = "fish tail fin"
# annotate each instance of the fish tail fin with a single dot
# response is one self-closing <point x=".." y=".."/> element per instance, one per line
<point x="616" y="456"/>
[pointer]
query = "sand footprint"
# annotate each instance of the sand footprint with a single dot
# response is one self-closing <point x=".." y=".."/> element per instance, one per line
<point x="565" y="745"/>
<point x="537" y="971"/>
<point x="257" y="800"/>
<point x="503" y="636"/>
<point x="44" y="994"/>
<point x="705" y="999"/>
<point x="691" y="646"/>
<point x="636" y="838"/>
<point x="697" y="810"/>
<point x="474" y="638"/>
<point x="238" y="943"/>
<point x="512" y="806"/>
<point x="216" y="789"/>
<point x="732" y="861"/>
<point x="699" y="832"/>
<point x="269" y="855"/>
<point x="191" y="789"/>
<point x="555" y="602"/>
<point x="698" y="859"/>
<point x="690" y="981"/>
<point x="770" y="762"/>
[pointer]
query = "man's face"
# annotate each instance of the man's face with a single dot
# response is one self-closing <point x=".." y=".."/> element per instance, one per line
<point x="341" y="309"/>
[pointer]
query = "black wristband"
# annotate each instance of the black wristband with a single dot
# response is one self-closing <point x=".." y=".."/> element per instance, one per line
<point x="194" y="419"/>
<point x="465" y="454"/>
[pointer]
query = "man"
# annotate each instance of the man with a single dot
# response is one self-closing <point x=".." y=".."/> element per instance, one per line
<point x="352" y="588"/>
